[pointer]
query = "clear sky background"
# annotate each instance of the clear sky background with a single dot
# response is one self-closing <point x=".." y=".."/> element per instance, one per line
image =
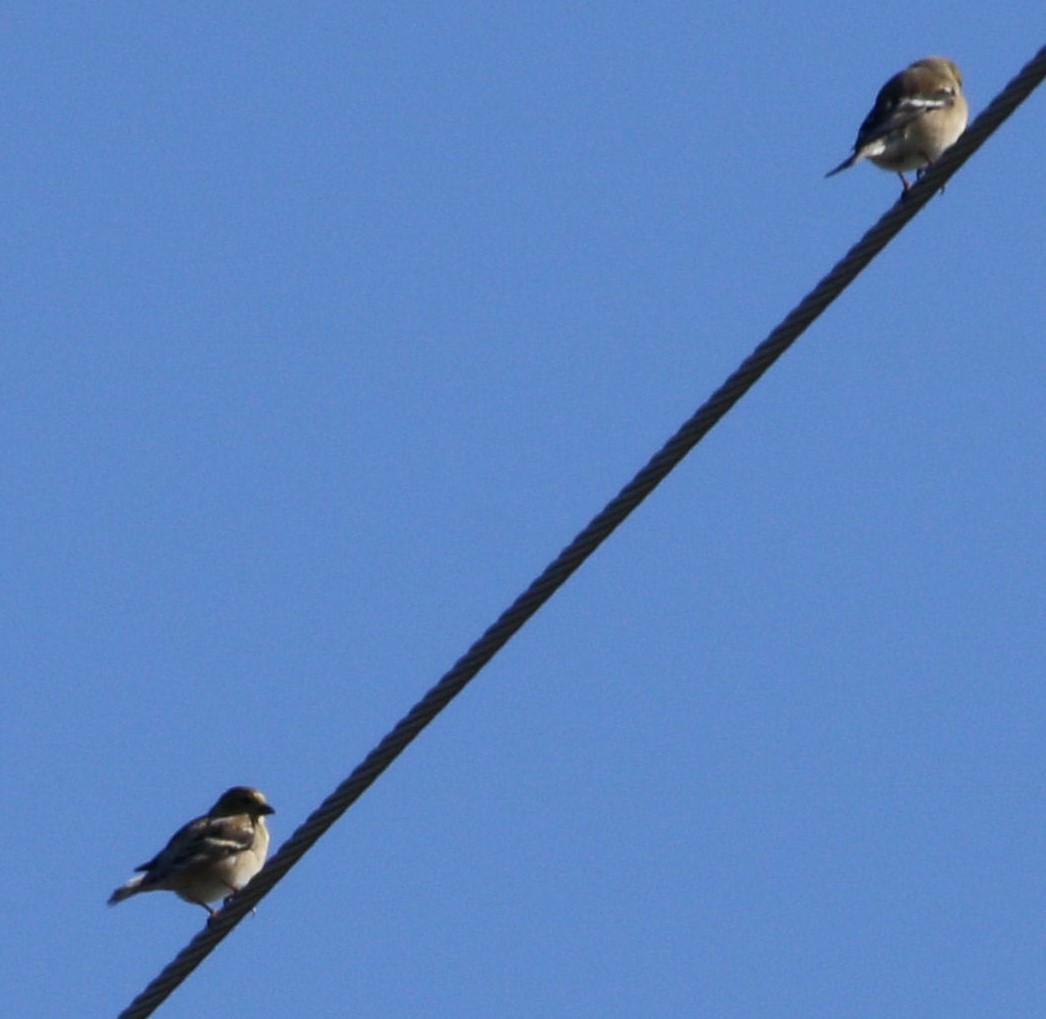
<point x="325" y="326"/>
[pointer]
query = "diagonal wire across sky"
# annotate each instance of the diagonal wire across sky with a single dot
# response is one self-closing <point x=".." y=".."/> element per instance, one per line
<point x="591" y="537"/>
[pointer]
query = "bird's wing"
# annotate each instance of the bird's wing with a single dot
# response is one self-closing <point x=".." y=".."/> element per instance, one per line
<point x="893" y="111"/>
<point x="205" y="839"/>
<point x="902" y="114"/>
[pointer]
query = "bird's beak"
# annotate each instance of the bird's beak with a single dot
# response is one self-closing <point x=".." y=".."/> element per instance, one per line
<point x="266" y="809"/>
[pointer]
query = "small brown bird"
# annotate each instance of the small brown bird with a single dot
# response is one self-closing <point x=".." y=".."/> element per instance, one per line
<point x="212" y="856"/>
<point x="918" y="114"/>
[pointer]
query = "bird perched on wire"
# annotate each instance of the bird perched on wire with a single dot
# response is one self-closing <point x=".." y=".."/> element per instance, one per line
<point x="212" y="856"/>
<point x="918" y="114"/>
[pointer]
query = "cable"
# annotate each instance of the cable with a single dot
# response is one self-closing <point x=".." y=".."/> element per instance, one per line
<point x="589" y="539"/>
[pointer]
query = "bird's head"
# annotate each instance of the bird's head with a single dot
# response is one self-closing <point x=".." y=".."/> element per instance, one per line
<point x="241" y="799"/>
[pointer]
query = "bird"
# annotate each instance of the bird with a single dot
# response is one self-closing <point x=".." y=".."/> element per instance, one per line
<point x="918" y="113"/>
<point x="212" y="856"/>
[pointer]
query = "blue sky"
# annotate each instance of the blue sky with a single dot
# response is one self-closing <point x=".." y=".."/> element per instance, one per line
<point x="326" y="326"/>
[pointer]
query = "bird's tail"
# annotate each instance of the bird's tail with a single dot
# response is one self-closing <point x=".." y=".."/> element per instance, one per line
<point x="844" y="165"/>
<point x="133" y="887"/>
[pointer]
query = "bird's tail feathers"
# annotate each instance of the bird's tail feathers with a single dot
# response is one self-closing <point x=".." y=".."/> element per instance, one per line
<point x="133" y="887"/>
<point x="844" y="165"/>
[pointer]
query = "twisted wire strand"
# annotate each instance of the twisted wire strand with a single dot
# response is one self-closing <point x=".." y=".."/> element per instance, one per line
<point x="591" y="537"/>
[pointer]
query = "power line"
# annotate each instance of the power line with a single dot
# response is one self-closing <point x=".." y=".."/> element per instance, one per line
<point x="591" y="537"/>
